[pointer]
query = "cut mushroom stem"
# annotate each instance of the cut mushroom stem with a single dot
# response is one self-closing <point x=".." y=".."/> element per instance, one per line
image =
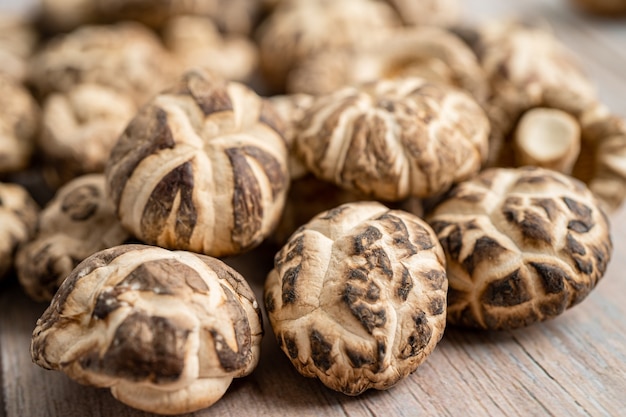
<point x="548" y="138"/>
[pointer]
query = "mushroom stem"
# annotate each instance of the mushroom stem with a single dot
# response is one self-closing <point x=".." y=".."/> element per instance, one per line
<point x="548" y="138"/>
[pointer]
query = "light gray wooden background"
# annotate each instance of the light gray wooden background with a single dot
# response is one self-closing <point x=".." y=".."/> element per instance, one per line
<point x="574" y="365"/>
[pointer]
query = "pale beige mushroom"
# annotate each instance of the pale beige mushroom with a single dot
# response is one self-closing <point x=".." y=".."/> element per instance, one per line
<point x="79" y="221"/>
<point x="394" y="139"/>
<point x="79" y="129"/>
<point x="357" y="297"/>
<point x="19" y="124"/>
<point x="196" y="42"/>
<point x="18" y="39"/>
<point x="427" y="52"/>
<point x="300" y="29"/>
<point x="522" y="246"/>
<point x="292" y="108"/>
<point x="126" y="57"/>
<point x="428" y="12"/>
<point x="18" y="222"/>
<point x="202" y="167"/>
<point x="609" y="8"/>
<point x="165" y="331"/>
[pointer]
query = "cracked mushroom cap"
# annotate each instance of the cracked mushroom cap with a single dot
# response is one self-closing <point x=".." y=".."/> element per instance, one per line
<point x="166" y="331"/>
<point x="18" y="222"/>
<point x="394" y="139"/>
<point x="526" y="66"/>
<point x="126" y="57"/>
<point x="79" y="221"/>
<point x="79" y="129"/>
<point x="357" y="296"/>
<point x="202" y="167"/>
<point x="427" y="52"/>
<point x="299" y="29"/>
<point x="522" y="246"/>
<point x="19" y="124"/>
<point x="196" y="42"/>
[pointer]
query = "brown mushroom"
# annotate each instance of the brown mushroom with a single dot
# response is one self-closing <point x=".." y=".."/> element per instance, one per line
<point x="79" y="221"/>
<point x="427" y="52"/>
<point x="165" y="331"/>
<point x="202" y="167"/>
<point x="196" y="42"/>
<point x="18" y="222"/>
<point x="126" y="57"/>
<point x="79" y="129"/>
<point x="394" y="139"/>
<point x="292" y="108"/>
<point x="610" y="8"/>
<point x="299" y="29"/>
<point x="19" y="123"/>
<point x="522" y="246"/>
<point x="357" y="297"/>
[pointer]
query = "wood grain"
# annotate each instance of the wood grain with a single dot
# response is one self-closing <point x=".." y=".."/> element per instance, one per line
<point x="573" y="365"/>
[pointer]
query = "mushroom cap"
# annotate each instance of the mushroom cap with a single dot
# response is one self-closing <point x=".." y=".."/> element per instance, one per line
<point x="18" y="222"/>
<point x="165" y="331"/>
<point x="202" y="167"/>
<point x="126" y="57"/>
<point x="522" y="245"/>
<point x="603" y="7"/>
<point x="79" y="221"/>
<point x="357" y="296"/>
<point x="428" y="52"/>
<point x="19" y="123"/>
<point x="196" y="42"/>
<point x="393" y="139"/>
<point x="18" y="39"/>
<point x="428" y="12"/>
<point x="80" y="127"/>
<point x="299" y="29"/>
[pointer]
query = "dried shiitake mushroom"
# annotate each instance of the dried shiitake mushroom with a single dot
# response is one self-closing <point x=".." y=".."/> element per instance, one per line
<point x="79" y="221"/>
<point x="526" y="66"/>
<point x="196" y="42"/>
<point x="522" y="245"/>
<point x="427" y="52"/>
<point x="19" y="123"/>
<point x="394" y="139"/>
<point x="126" y="57"/>
<point x="292" y="108"/>
<point x="427" y="12"/>
<point x="603" y="7"/>
<point x="299" y="29"/>
<point x="357" y="297"/>
<point x="18" y="222"/>
<point x="79" y="129"/>
<point x="18" y="40"/>
<point x="165" y="331"/>
<point x="202" y="167"/>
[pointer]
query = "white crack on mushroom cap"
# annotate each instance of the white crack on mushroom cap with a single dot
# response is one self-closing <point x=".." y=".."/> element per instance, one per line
<point x="80" y="127"/>
<point x="202" y="167"/>
<point x="522" y="245"/>
<point x="79" y="221"/>
<point x="127" y="57"/>
<point x="18" y="222"/>
<point x="394" y="138"/>
<point x="300" y="29"/>
<point x="19" y="124"/>
<point x="427" y="52"/>
<point x="196" y="42"/>
<point x="165" y="331"/>
<point x="357" y="297"/>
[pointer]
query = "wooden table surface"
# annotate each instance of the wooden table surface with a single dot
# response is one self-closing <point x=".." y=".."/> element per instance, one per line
<point x="572" y="365"/>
